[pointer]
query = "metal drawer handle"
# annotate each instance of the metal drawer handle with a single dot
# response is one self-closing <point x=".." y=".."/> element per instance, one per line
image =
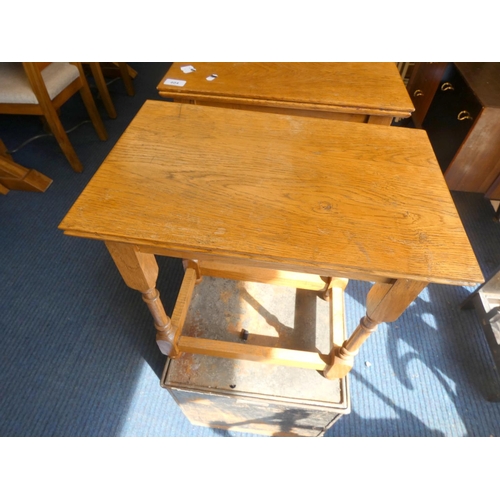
<point x="464" y="115"/>
<point x="417" y="93"/>
<point x="447" y="86"/>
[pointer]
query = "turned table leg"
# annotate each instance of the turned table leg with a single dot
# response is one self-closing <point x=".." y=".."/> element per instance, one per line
<point x="385" y="302"/>
<point x="140" y="272"/>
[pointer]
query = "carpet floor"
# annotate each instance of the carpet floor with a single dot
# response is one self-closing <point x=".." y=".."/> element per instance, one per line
<point x="77" y="350"/>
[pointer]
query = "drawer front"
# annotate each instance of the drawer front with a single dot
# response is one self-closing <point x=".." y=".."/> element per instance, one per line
<point x="422" y="87"/>
<point x="451" y="116"/>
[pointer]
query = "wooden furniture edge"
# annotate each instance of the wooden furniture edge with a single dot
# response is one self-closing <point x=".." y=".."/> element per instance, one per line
<point x="267" y="262"/>
<point x="262" y="275"/>
<point x="214" y="99"/>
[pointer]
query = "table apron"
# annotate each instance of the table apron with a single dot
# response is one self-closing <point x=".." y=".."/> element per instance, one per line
<point x="278" y="266"/>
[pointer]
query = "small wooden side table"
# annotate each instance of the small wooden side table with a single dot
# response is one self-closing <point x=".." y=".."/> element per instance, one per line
<point x="275" y="199"/>
<point x="360" y="92"/>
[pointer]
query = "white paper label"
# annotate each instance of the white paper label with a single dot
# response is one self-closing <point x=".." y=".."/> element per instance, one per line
<point x="176" y="83"/>
<point x="213" y="76"/>
<point x="188" y="69"/>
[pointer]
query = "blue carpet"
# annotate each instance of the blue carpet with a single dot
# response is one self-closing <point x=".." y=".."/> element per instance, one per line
<point x="78" y="356"/>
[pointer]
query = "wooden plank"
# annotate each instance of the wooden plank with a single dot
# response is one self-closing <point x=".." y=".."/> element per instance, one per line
<point x="311" y="111"/>
<point x="261" y="275"/>
<point x="286" y="357"/>
<point x="182" y="303"/>
<point x="337" y="316"/>
<point x="313" y="269"/>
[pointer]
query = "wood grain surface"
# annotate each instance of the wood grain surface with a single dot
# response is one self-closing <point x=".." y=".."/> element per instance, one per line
<point x="361" y="88"/>
<point x="292" y="193"/>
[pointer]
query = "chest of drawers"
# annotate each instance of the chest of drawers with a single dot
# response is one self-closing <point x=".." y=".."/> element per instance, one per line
<point x="458" y="104"/>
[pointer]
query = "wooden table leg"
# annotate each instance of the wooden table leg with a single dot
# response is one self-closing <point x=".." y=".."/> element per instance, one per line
<point x="380" y="120"/>
<point x="331" y="282"/>
<point x="140" y="272"/>
<point x="193" y="264"/>
<point x="385" y="302"/>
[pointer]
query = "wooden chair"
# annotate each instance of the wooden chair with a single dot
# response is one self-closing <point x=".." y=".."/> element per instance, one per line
<point x="41" y="89"/>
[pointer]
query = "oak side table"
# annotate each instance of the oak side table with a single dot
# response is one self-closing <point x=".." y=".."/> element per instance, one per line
<point x="275" y="199"/>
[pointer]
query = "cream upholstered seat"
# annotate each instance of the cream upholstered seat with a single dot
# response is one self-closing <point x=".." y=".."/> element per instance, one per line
<point x="15" y="86"/>
<point x="40" y="89"/>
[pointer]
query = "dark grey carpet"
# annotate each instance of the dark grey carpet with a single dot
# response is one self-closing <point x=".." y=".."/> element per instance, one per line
<point x="77" y="350"/>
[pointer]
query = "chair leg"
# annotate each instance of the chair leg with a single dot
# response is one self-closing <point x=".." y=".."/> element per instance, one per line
<point x="127" y="81"/>
<point x="103" y="89"/>
<point x="88" y="100"/>
<point x="57" y="129"/>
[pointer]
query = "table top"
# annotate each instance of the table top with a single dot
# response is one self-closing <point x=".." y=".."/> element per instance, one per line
<point x="370" y="88"/>
<point x="292" y="193"/>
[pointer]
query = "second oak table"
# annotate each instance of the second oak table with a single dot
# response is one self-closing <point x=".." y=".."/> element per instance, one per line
<point x="361" y="92"/>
